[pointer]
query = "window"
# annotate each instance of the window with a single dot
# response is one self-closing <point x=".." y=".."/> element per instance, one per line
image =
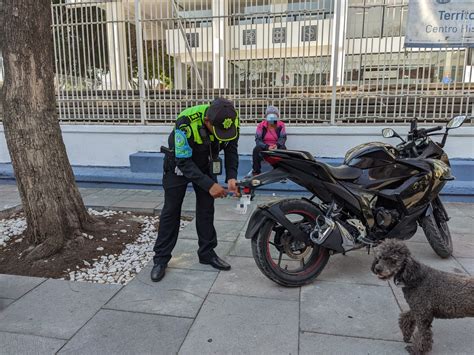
<point x="249" y="37"/>
<point x="192" y="39"/>
<point x="376" y="19"/>
<point x="301" y="10"/>
<point x="309" y="33"/>
<point x="196" y="18"/>
<point x="394" y="21"/>
<point x="279" y="35"/>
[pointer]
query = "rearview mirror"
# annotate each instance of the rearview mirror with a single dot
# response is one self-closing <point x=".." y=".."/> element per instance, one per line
<point x="388" y="133"/>
<point x="456" y="122"/>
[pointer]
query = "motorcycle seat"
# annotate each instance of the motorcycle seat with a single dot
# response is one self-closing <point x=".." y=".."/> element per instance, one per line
<point x="344" y="172"/>
<point x="301" y="154"/>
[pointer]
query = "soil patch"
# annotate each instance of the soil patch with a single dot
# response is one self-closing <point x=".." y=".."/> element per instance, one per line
<point x="121" y="229"/>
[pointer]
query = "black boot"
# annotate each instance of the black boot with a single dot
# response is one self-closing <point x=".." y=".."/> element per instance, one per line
<point x="158" y="272"/>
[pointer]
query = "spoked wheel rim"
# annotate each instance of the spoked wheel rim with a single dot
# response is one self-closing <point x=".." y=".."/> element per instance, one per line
<point x="291" y="257"/>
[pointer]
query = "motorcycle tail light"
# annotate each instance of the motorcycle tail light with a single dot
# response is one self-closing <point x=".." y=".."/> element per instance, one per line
<point x="246" y="190"/>
<point x="272" y="160"/>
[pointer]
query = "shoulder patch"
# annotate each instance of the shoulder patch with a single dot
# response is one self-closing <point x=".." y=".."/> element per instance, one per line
<point x="181" y="145"/>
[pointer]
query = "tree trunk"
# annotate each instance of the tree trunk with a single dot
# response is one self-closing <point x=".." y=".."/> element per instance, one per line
<point x="52" y="203"/>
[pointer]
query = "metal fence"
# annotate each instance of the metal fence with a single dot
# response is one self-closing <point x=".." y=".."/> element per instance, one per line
<point x="320" y="62"/>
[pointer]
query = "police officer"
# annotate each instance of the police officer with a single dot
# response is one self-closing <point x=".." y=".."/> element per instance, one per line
<point x="200" y="133"/>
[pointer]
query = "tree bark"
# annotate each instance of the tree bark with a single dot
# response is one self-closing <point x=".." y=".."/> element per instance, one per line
<point x="51" y="200"/>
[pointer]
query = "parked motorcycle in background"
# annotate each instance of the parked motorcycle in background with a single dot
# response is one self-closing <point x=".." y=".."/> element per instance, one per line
<point x="381" y="191"/>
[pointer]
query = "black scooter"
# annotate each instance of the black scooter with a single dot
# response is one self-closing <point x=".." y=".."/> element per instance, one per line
<point x="381" y="191"/>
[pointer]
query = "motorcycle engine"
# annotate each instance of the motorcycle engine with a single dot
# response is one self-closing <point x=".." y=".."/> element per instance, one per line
<point x="386" y="218"/>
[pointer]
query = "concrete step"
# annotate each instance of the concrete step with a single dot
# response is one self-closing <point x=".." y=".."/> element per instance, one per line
<point x="461" y="189"/>
<point x="152" y="162"/>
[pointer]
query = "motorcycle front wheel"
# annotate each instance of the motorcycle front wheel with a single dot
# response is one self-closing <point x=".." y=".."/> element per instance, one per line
<point x="437" y="231"/>
<point x="284" y="260"/>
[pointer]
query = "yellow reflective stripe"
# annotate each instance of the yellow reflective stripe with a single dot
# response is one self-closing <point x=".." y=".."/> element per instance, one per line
<point x="224" y="140"/>
<point x="196" y="135"/>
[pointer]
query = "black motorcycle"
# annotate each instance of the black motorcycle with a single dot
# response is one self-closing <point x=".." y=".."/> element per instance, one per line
<point x="381" y="191"/>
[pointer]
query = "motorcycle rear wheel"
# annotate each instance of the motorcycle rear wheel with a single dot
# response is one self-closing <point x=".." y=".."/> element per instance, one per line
<point x="273" y="241"/>
<point x="437" y="231"/>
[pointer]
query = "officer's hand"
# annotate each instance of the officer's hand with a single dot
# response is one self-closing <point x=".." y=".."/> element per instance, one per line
<point x="232" y="187"/>
<point x="217" y="191"/>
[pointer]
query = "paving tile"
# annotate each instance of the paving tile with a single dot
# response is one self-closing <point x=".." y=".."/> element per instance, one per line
<point x="185" y="255"/>
<point x="189" y="202"/>
<point x="463" y="245"/>
<point x="86" y="191"/>
<point x="397" y="291"/>
<point x="350" y="309"/>
<point x="13" y="286"/>
<point x="242" y="247"/>
<point x="425" y="254"/>
<point x="225" y="231"/>
<point x="138" y="206"/>
<point x="458" y="209"/>
<point x="147" y="193"/>
<point x="144" y="198"/>
<point x="243" y="325"/>
<point x="28" y="344"/>
<point x="311" y="343"/>
<point x="117" y="332"/>
<point x="228" y="213"/>
<point x="419" y="236"/>
<point x="8" y="204"/>
<point x="5" y="302"/>
<point x="101" y="201"/>
<point x="246" y="279"/>
<point x="461" y="225"/>
<point x="354" y="267"/>
<point x="453" y="336"/>
<point x="180" y="293"/>
<point x="56" y="308"/>
<point x="468" y="264"/>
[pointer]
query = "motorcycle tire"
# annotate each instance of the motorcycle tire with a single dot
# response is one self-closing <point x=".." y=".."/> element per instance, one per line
<point x="437" y="232"/>
<point x="264" y="260"/>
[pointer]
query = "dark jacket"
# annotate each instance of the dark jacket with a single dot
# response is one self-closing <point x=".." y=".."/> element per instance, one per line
<point x="192" y="143"/>
<point x="262" y="131"/>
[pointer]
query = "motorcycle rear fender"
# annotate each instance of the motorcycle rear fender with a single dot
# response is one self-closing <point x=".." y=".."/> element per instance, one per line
<point x="258" y="218"/>
<point x="273" y="212"/>
<point x="269" y="177"/>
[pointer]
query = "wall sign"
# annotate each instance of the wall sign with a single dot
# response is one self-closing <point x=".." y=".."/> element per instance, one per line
<point x="440" y="23"/>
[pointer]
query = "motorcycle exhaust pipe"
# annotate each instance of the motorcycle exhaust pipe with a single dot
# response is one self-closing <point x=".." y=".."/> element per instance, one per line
<point x="332" y="235"/>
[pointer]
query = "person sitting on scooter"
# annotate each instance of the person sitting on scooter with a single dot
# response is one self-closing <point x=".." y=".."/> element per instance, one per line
<point x="271" y="134"/>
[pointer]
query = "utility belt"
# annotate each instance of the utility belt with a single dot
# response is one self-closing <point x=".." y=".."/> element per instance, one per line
<point x="169" y="163"/>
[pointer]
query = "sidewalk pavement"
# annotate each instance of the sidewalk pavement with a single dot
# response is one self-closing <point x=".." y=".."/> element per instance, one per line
<point x="197" y="310"/>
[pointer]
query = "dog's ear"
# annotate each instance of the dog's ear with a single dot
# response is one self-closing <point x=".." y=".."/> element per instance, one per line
<point x="410" y="274"/>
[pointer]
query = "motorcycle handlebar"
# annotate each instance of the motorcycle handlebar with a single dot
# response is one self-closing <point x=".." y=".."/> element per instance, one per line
<point x="434" y="129"/>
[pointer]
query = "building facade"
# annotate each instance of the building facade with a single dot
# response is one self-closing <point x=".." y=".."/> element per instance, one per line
<point x="322" y="61"/>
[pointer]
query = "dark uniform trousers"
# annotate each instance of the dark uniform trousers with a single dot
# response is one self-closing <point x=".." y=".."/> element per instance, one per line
<point x="257" y="159"/>
<point x="175" y="189"/>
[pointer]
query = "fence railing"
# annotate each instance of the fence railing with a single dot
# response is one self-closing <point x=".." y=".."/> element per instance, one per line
<point x="320" y="62"/>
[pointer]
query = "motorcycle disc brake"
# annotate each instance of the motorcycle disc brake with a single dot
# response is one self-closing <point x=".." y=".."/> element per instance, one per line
<point x="294" y="249"/>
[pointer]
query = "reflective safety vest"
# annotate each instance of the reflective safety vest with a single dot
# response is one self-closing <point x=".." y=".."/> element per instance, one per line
<point x="192" y="119"/>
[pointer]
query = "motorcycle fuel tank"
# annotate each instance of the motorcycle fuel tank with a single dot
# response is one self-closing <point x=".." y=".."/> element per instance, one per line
<point x="371" y="155"/>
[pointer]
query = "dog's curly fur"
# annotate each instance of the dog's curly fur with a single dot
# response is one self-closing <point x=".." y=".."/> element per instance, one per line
<point x="430" y="293"/>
